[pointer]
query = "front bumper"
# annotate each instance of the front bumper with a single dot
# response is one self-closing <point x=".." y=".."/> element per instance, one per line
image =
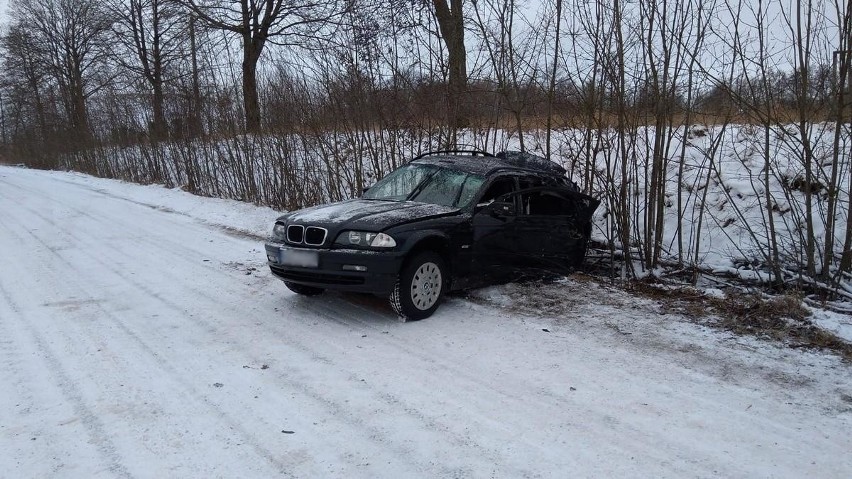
<point x="379" y="277"/>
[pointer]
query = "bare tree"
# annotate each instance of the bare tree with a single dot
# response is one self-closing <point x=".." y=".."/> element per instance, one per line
<point x="671" y="36"/>
<point x="844" y="55"/>
<point x="151" y="33"/>
<point x="259" y="22"/>
<point x="800" y="23"/>
<point x="517" y="57"/>
<point x="24" y="76"/>
<point x="70" y="36"/>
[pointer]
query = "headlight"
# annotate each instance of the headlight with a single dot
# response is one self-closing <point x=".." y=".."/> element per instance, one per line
<point x="365" y="239"/>
<point x="279" y="231"/>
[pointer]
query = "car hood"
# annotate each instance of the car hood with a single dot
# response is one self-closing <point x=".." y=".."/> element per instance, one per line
<point x="367" y="215"/>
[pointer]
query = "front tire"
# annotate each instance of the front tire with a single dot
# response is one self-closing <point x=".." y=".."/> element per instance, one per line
<point x="420" y="287"/>
<point x="303" y="289"/>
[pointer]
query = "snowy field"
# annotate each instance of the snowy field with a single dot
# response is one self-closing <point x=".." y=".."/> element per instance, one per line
<point x="141" y="335"/>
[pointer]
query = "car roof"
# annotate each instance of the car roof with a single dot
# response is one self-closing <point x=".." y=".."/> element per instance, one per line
<point x="486" y="164"/>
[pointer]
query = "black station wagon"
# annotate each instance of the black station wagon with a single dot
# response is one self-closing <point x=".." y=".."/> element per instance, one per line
<point x="445" y="221"/>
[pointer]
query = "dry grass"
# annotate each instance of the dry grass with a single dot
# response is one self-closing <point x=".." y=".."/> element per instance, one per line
<point x="781" y="318"/>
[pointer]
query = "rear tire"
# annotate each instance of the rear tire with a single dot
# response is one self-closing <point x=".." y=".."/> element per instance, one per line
<point x="303" y="289"/>
<point x="420" y="286"/>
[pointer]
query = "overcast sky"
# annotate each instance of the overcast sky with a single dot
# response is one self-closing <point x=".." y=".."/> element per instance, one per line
<point x="4" y="5"/>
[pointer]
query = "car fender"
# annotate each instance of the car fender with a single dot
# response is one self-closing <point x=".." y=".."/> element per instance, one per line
<point x="419" y="240"/>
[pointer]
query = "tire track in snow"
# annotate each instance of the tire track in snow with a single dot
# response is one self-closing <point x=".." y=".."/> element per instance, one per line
<point x="163" y="364"/>
<point x="93" y="425"/>
<point x="20" y="396"/>
<point x="627" y="436"/>
<point x="236" y="232"/>
<point x="389" y="399"/>
<point x="337" y="410"/>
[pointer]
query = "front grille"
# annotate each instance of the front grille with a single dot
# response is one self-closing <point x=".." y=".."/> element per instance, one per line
<point x="315" y="277"/>
<point x="295" y="234"/>
<point x="311" y="235"/>
<point x="315" y="236"/>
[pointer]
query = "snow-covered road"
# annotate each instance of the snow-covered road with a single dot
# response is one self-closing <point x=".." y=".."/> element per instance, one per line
<point x="142" y="336"/>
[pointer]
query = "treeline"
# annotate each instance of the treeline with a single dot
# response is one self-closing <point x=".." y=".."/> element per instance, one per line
<point x="292" y="102"/>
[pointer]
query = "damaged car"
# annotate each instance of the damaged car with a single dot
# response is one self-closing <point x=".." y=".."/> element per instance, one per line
<point x="446" y="220"/>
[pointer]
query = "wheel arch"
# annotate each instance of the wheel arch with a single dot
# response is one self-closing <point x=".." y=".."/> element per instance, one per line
<point x="435" y="241"/>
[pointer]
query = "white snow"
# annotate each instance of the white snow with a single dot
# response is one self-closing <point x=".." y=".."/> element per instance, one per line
<point x="141" y="335"/>
<point x="837" y="323"/>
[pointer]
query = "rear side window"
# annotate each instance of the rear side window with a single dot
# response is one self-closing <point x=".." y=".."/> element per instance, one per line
<point x="547" y="203"/>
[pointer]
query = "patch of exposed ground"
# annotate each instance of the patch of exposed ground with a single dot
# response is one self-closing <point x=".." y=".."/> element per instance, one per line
<point x="781" y="318"/>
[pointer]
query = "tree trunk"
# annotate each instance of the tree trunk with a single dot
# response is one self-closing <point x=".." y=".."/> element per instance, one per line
<point x="251" y="54"/>
<point x="845" y="80"/>
<point x="39" y="108"/>
<point x="620" y="83"/>
<point x="451" y="24"/>
<point x="195" y="127"/>
<point x="78" y="116"/>
<point x="552" y="87"/>
<point x="803" y="103"/>
<point x="160" y="127"/>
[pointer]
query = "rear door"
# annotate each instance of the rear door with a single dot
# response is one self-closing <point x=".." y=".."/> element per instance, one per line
<point x="551" y="226"/>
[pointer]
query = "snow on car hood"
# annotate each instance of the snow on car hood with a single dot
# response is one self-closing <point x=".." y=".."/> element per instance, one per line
<point x="369" y="215"/>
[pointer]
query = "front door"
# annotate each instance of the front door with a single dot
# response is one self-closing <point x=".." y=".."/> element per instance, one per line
<point x="493" y="222"/>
